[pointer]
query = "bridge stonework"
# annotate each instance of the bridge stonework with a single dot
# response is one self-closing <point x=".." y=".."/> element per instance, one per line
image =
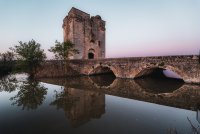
<point x="187" y="67"/>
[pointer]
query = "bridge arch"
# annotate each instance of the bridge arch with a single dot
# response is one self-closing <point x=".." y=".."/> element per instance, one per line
<point x="103" y="69"/>
<point x="145" y="71"/>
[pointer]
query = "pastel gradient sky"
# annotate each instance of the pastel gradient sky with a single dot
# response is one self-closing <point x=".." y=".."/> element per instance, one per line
<point x="134" y="27"/>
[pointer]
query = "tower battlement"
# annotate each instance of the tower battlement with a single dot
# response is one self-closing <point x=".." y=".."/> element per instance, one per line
<point x="87" y="33"/>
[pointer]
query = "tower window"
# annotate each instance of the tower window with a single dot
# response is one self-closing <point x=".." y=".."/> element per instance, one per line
<point x="99" y="43"/>
<point x="92" y="41"/>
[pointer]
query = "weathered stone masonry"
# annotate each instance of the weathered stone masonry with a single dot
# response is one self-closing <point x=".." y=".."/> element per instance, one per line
<point x="87" y="33"/>
<point x="187" y="67"/>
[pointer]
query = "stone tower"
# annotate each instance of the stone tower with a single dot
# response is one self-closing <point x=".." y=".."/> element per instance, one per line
<point x="87" y="33"/>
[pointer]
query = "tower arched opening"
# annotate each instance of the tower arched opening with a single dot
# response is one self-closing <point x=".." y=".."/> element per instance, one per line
<point x="90" y="56"/>
<point x="91" y="53"/>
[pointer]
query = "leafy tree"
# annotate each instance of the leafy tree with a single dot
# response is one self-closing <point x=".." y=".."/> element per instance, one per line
<point x="6" y="62"/>
<point x="63" y="50"/>
<point x="30" y="55"/>
<point x="7" y="56"/>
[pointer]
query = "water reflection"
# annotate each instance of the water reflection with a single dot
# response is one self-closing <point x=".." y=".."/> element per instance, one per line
<point x="103" y="80"/>
<point x="165" y="92"/>
<point x="80" y="106"/>
<point x="8" y="83"/>
<point x="74" y="106"/>
<point x="198" y="114"/>
<point x="157" y="85"/>
<point x="30" y="95"/>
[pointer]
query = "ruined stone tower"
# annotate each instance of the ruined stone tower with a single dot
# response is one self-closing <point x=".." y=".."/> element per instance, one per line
<point x="87" y="33"/>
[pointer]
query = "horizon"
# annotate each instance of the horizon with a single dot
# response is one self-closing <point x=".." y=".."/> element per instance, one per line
<point x="147" y="29"/>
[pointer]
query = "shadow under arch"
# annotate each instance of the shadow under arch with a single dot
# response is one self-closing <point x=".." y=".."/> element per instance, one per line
<point x="103" y="69"/>
<point x="102" y="81"/>
<point x="153" y="79"/>
<point x="158" y="72"/>
<point x="157" y="86"/>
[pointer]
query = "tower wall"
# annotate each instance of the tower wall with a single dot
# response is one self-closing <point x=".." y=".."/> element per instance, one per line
<point x="88" y="34"/>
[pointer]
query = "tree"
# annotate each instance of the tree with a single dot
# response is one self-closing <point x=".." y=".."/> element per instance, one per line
<point x="6" y="62"/>
<point x="63" y="50"/>
<point x="30" y="55"/>
<point x="7" y="56"/>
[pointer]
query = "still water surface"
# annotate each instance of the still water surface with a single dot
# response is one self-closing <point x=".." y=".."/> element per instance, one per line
<point x="100" y="104"/>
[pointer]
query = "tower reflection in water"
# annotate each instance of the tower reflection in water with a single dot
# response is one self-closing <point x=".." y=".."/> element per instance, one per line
<point x="80" y="106"/>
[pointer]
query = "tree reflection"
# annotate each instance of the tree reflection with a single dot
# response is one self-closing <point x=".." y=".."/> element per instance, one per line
<point x="8" y="84"/>
<point x="31" y="94"/>
<point x="64" y="100"/>
<point x="80" y="106"/>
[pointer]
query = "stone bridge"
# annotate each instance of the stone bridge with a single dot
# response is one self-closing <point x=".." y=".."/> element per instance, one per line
<point x="186" y="67"/>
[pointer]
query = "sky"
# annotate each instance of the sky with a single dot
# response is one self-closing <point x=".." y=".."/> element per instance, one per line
<point x="134" y="28"/>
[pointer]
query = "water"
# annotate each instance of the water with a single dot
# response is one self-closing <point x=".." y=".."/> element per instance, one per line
<point x="99" y="104"/>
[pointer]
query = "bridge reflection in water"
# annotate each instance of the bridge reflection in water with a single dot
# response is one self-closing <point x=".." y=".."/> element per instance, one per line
<point x="83" y="98"/>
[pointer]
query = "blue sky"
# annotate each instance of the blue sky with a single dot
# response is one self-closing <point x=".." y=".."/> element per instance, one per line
<point x="134" y="27"/>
